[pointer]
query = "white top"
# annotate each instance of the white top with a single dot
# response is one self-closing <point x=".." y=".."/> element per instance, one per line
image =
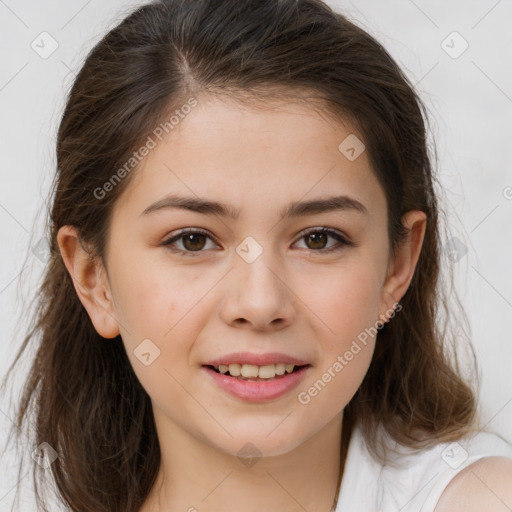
<point x="419" y="479"/>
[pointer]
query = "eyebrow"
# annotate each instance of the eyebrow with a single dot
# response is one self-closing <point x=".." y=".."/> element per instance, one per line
<point x="295" y="209"/>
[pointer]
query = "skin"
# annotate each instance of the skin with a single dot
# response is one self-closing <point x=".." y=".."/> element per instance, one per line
<point x="483" y="485"/>
<point x="291" y="299"/>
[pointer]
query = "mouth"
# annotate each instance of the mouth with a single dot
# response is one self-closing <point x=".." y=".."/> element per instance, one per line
<point x="257" y="384"/>
<point x="251" y="372"/>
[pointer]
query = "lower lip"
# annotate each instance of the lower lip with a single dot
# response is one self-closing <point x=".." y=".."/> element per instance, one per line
<point x="258" y="391"/>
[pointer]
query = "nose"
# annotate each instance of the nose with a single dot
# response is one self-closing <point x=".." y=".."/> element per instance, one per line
<point x="258" y="296"/>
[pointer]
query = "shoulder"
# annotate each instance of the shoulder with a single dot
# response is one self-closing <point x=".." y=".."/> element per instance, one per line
<point x="466" y="475"/>
<point x="483" y="485"/>
<point x="473" y="473"/>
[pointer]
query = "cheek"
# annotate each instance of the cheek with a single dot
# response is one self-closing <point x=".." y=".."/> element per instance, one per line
<point x="159" y="332"/>
<point x="348" y="308"/>
<point x="148" y="293"/>
<point x="347" y="302"/>
<point x="160" y="305"/>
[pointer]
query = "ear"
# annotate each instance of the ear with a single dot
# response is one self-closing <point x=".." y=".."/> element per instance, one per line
<point x="90" y="281"/>
<point x="401" y="268"/>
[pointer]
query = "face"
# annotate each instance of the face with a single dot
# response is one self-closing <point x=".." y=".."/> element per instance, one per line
<point x="258" y="282"/>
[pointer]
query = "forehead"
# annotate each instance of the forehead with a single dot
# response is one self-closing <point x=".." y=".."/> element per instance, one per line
<point x="255" y="156"/>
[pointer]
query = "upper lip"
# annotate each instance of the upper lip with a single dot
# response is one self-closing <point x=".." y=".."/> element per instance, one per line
<point x="256" y="359"/>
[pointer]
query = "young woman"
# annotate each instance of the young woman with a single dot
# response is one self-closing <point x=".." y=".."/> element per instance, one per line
<point x="242" y="307"/>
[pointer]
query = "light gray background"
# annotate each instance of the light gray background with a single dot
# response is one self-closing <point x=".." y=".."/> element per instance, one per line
<point x="470" y="99"/>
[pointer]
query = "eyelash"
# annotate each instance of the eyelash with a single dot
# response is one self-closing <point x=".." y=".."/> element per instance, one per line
<point x="340" y="238"/>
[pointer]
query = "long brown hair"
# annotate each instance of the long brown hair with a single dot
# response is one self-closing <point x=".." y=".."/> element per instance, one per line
<point x="86" y="401"/>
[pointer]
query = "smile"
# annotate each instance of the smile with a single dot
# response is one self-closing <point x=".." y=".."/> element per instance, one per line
<point x="268" y="371"/>
<point x="245" y="382"/>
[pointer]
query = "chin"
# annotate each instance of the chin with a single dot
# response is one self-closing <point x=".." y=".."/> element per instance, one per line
<point x="263" y="441"/>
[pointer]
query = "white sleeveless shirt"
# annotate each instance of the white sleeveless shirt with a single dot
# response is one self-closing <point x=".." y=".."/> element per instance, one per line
<point x="419" y="479"/>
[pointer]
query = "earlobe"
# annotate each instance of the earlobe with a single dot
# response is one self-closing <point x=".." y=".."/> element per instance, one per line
<point x="401" y="269"/>
<point x="90" y="282"/>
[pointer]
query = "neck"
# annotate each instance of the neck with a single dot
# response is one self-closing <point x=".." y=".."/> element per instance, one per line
<point x="196" y="476"/>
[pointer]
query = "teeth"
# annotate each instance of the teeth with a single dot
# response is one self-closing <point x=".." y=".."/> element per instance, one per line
<point x="280" y="368"/>
<point x="234" y="369"/>
<point x="268" y="371"/>
<point x="249" y="370"/>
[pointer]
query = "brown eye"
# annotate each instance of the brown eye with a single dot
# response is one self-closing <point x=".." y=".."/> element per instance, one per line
<point x="316" y="240"/>
<point x="192" y="241"/>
